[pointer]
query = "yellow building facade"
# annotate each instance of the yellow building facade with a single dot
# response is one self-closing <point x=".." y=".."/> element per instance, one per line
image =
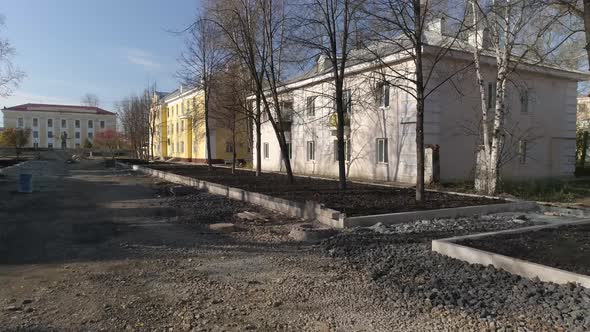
<point x="179" y="129"/>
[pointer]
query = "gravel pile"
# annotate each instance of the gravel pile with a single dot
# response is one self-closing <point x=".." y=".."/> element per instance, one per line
<point x="399" y="259"/>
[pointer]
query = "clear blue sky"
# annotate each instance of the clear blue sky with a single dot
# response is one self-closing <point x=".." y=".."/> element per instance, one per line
<point x="111" y="48"/>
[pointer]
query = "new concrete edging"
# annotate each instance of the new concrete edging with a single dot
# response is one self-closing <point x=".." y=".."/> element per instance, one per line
<point x="450" y="248"/>
<point x="466" y="211"/>
<point x="308" y="210"/>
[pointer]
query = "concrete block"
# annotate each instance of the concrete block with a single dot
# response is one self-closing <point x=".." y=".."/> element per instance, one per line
<point x="450" y="248"/>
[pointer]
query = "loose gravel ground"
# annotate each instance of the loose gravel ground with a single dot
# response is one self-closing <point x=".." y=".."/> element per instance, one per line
<point x="400" y="261"/>
<point x="110" y="250"/>
<point x="566" y="247"/>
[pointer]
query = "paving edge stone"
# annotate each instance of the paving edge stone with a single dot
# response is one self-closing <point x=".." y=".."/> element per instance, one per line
<point x="314" y="211"/>
<point x="530" y="270"/>
<point x="308" y="210"/>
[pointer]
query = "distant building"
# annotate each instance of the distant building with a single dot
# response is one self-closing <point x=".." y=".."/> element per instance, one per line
<point x="180" y="129"/>
<point x="583" y="116"/>
<point x="59" y="126"/>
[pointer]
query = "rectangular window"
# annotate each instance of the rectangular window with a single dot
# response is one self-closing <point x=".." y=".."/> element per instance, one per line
<point x="290" y="150"/>
<point x="90" y="124"/>
<point x="383" y="94"/>
<point x="77" y="145"/>
<point x="50" y="123"/>
<point x="90" y="135"/>
<point x="522" y="151"/>
<point x="77" y="135"/>
<point x="182" y="125"/>
<point x="382" y="151"/>
<point x="181" y="146"/>
<point x="265" y="151"/>
<point x="35" y="134"/>
<point x="50" y="145"/>
<point x="525" y="95"/>
<point x="491" y="95"/>
<point x="347" y="98"/>
<point x="310" y="150"/>
<point x="21" y="123"/>
<point x="311" y="106"/>
<point x="64" y="123"/>
<point x="77" y="123"/>
<point x="35" y="122"/>
<point x="229" y="147"/>
<point x="50" y="134"/>
<point x="102" y="124"/>
<point x="346" y="150"/>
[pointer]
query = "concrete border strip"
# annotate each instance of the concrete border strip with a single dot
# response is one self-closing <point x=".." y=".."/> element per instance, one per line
<point x="313" y="211"/>
<point x="308" y="210"/>
<point x="450" y="248"/>
<point x="465" y="211"/>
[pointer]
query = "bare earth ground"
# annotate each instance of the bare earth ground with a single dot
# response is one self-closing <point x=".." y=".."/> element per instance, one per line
<point x="99" y="249"/>
<point x="102" y="249"/>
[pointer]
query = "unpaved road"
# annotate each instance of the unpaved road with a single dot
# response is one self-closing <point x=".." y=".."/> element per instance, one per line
<point x="103" y="249"/>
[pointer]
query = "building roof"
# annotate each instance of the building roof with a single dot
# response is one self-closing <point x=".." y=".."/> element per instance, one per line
<point x="58" y="108"/>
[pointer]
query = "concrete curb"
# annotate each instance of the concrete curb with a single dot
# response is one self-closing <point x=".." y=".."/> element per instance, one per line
<point x="466" y="211"/>
<point x="313" y="211"/>
<point x="308" y="210"/>
<point x="450" y="248"/>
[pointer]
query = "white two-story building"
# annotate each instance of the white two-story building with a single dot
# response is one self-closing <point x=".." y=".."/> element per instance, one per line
<point x="381" y="120"/>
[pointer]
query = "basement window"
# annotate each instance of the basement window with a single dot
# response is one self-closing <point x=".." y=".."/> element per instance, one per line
<point x="522" y="151"/>
<point x="265" y="150"/>
<point x="310" y="150"/>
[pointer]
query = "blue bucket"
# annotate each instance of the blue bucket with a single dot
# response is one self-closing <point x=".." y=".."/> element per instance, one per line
<point x="25" y="183"/>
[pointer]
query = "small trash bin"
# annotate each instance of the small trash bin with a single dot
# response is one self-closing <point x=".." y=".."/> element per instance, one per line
<point x="25" y="183"/>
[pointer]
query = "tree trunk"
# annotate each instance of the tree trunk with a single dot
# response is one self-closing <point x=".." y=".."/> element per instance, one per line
<point x="340" y="133"/>
<point x="207" y="130"/>
<point x="419" y="106"/>
<point x="233" y="143"/>
<point x="587" y="28"/>
<point x="496" y="149"/>
<point x="257" y="120"/>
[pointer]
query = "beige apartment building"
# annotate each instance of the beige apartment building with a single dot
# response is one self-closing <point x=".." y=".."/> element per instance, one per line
<point x="59" y="126"/>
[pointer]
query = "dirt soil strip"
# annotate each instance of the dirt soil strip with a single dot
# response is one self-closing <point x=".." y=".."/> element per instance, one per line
<point x="566" y="247"/>
<point x="357" y="200"/>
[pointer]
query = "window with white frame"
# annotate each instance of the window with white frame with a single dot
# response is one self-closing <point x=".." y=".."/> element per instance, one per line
<point x="346" y="150"/>
<point x="77" y="123"/>
<point x="290" y="150"/>
<point x="525" y="98"/>
<point x="229" y="147"/>
<point x="49" y="123"/>
<point x="491" y="100"/>
<point x="383" y="94"/>
<point x="182" y="125"/>
<point x="20" y="123"/>
<point x="310" y="105"/>
<point x="265" y="150"/>
<point x="181" y="146"/>
<point x="35" y="134"/>
<point x="90" y="135"/>
<point x="64" y="123"/>
<point x="90" y="124"/>
<point x="347" y="100"/>
<point x="522" y="151"/>
<point x="382" y="151"/>
<point x="35" y="122"/>
<point x="102" y="124"/>
<point x="310" y="150"/>
<point x="50" y="134"/>
<point x="77" y="135"/>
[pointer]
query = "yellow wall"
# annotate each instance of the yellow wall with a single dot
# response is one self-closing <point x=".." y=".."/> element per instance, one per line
<point x="182" y="130"/>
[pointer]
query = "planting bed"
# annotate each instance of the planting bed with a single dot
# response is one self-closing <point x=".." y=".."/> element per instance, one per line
<point x="566" y="247"/>
<point x="358" y="200"/>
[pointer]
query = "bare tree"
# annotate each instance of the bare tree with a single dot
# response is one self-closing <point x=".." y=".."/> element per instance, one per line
<point x="91" y="100"/>
<point x="10" y="76"/>
<point x="327" y="27"/>
<point x="515" y="28"/>
<point x="426" y="32"/>
<point x="204" y="57"/>
<point x="134" y="114"/>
